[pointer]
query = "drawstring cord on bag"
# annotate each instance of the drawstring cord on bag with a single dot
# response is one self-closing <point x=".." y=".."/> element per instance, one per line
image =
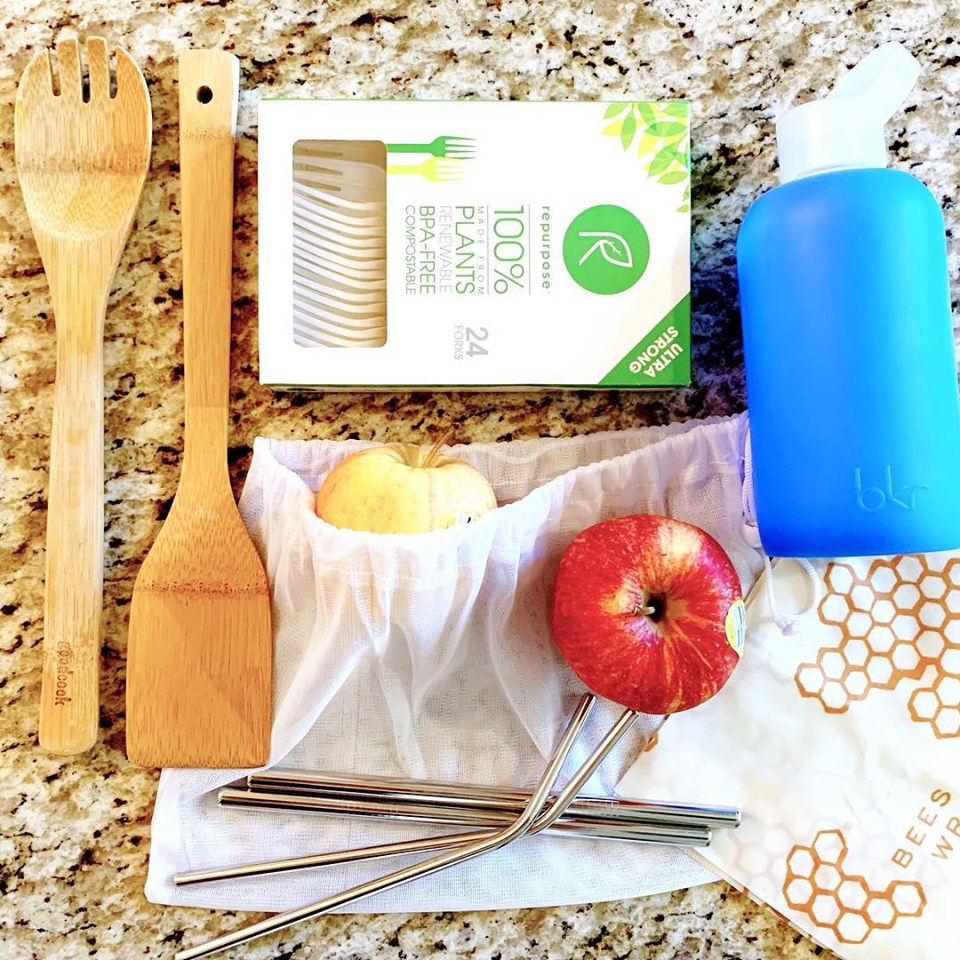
<point x="786" y="623"/>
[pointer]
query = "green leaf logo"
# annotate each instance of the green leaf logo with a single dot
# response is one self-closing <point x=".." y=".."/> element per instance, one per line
<point x="606" y="249"/>
<point x="611" y="246"/>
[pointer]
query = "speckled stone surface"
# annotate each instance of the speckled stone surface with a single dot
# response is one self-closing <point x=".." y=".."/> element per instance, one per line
<point x="75" y="832"/>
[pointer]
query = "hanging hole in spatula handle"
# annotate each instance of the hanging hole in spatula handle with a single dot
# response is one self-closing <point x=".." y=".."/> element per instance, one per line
<point x="209" y="92"/>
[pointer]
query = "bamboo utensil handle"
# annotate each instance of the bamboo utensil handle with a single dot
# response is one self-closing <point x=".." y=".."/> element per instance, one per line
<point x="209" y="91"/>
<point x="82" y="156"/>
<point x="199" y="644"/>
<point x="69" y="697"/>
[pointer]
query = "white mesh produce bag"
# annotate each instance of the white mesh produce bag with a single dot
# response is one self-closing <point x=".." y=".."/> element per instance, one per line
<point x="429" y="655"/>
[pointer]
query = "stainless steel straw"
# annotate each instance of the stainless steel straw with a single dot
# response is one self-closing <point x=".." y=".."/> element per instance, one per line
<point x="460" y="796"/>
<point x="678" y="836"/>
<point x="594" y="824"/>
<point x="695" y="832"/>
<point x="482" y="844"/>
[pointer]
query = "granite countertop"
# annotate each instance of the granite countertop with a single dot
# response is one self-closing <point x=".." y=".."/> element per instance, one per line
<point x="75" y="831"/>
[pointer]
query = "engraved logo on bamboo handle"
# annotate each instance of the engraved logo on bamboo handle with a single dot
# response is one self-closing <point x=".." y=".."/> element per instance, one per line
<point x="64" y="672"/>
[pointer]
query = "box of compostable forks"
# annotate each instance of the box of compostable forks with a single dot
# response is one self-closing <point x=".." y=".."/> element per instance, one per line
<point x="474" y="244"/>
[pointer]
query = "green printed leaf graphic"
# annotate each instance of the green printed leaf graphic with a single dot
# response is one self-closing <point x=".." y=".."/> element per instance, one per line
<point x="647" y="145"/>
<point x="680" y="156"/>
<point x="615" y="109"/>
<point x="666" y="128"/>
<point x="683" y="208"/>
<point x="664" y="143"/>
<point x="647" y="112"/>
<point x="666" y="158"/>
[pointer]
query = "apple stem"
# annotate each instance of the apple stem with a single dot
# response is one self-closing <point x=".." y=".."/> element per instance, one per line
<point x="434" y="451"/>
<point x="646" y="611"/>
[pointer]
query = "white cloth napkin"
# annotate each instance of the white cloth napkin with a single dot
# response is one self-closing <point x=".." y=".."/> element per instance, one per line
<point x="431" y="656"/>
<point x="841" y="743"/>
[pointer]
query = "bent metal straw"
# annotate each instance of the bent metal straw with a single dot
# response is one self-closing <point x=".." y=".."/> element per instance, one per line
<point x="483" y="844"/>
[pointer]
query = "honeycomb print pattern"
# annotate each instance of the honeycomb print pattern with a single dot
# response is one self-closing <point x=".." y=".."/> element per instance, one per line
<point x="758" y="863"/>
<point x="817" y="885"/>
<point x="898" y="623"/>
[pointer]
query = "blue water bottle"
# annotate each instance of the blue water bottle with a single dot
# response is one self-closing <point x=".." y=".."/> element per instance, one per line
<point x="851" y="375"/>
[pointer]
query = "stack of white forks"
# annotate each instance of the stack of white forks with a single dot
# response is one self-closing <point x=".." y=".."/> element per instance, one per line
<point x="339" y="243"/>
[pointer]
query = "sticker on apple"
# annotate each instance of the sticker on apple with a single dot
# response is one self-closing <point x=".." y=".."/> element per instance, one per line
<point x="736" y="626"/>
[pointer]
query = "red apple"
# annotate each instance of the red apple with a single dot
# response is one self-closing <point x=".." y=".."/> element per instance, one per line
<point x="648" y="612"/>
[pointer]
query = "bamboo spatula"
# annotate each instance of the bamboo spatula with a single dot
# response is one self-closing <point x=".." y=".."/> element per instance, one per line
<point x="199" y="657"/>
<point x="82" y="160"/>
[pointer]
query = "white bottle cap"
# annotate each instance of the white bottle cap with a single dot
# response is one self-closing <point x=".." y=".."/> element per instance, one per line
<point x="846" y="128"/>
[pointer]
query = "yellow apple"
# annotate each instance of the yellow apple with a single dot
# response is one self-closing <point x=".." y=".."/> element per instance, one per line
<point x="403" y="488"/>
